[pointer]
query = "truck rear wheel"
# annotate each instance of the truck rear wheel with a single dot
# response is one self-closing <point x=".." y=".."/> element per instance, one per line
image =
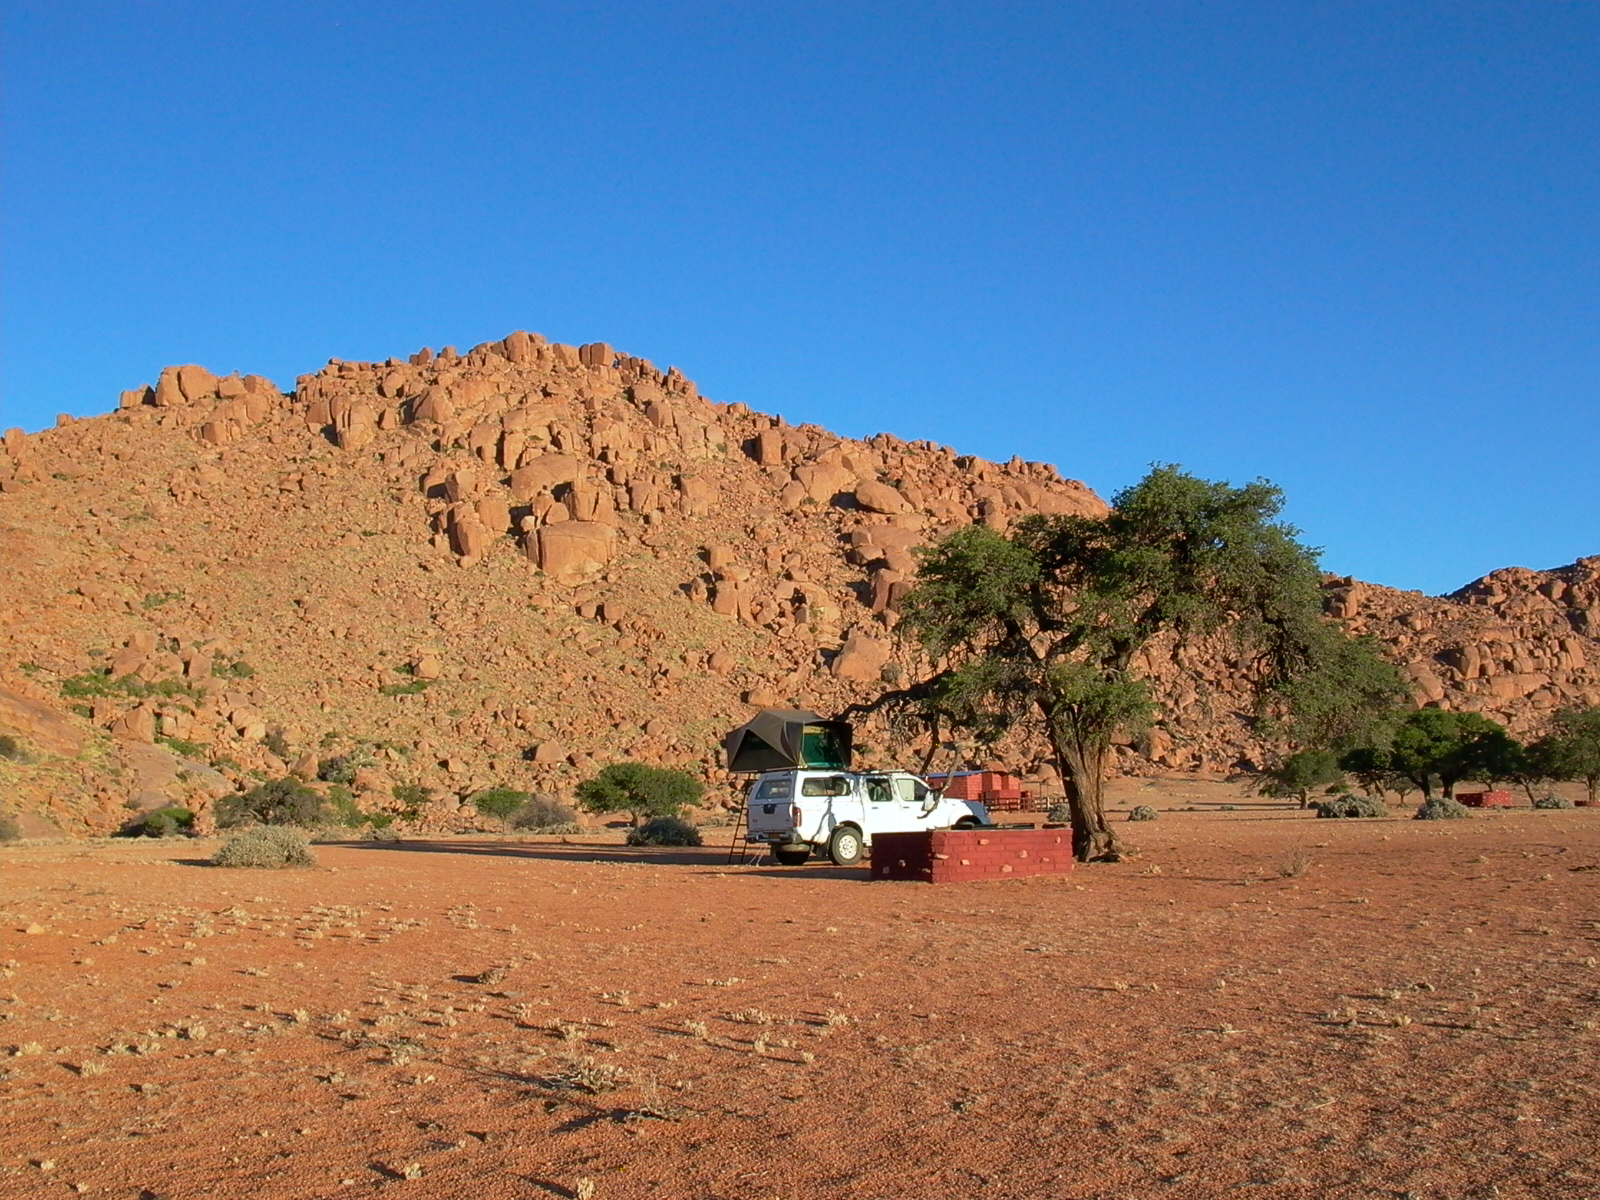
<point x="845" y="846"/>
<point x="791" y="856"/>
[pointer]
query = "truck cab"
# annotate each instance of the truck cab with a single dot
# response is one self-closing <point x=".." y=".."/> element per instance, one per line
<point x="804" y="810"/>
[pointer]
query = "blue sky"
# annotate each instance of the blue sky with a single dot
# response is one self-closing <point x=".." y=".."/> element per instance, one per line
<point x="1353" y="248"/>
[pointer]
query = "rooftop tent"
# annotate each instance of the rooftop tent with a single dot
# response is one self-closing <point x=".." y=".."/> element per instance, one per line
<point x="776" y="739"/>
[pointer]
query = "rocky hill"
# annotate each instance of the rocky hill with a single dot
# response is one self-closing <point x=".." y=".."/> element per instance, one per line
<point x="510" y="566"/>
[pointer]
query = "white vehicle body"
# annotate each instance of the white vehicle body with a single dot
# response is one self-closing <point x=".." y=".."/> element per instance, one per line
<point x="839" y="812"/>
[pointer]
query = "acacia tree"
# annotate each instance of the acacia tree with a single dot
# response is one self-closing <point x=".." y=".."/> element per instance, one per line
<point x="1299" y="774"/>
<point x="1571" y="750"/>
<point x="1434" y="744"/>
<point x="1046" y="625"/>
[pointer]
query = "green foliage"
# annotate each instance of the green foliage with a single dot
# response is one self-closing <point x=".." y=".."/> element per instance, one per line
<point x="342" y="768"/>
<point x="412" y="687"/>
<point x="1571" y="750"/>
<point x="345" y="811"/>
<point x="641" y="790"/>
<point x="92" y="684"/>
<point x="501" y="802"/>
<point x="1300" y="774"/>
<point x="284" y="801"/>
<point x="1552" y="801"/>
<point x="10" y="831"/>
<point x="1351" y="807"/>
<point x="185" y="749"/>
<point x="545" y="814"/>
<point x="172" y="821"/>
<point x="1441" y="808"/>
<point x="278" y="744"/>
<point x="266" y="846"/>
<point x="1142" y="812"/>
<point x="1434" y="746"/>
<point x="157" y="599"/>
<point x="11" y="747"/>
<point x="664" y="831"/>
<point x="1045" y="628"/>
<point x="235" y="668"/>
<point x="412" y="797"/>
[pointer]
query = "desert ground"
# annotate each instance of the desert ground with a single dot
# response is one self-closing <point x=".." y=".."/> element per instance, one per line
<point x="1258" y="1003"/>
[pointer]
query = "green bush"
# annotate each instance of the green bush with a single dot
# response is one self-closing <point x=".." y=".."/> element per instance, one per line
<point x="1142" y="812"/>
<point x="1552" y="801"/>
<point x="99" y="682"/>
<point x="501" y="803"/>
<point x="664" y="831"/>
<point x="545" y="814"/>
<point x="342" y="768"/>
<point x="183" y="749"/>
<point x="346" y="812"/>
<point x="411" y="797"/>
<point x="10" y="831"/>
<point x="276" y="742"/>
<point x="11" y="748"/>
<point x="171" y="821"/>
<point x="641" y="790"/>
<point x="1441" y="808"/>
<point x="266" y="846"/>
<point x="1060" y="813"/>
<point x="284" y="801"/>
<point x="412" y="687"/>
<point x="1351" y="807"/>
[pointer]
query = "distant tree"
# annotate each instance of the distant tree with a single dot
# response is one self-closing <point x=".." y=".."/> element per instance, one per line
<point x="1434" y="747"/>
<point x="284" y="801"/>
<point x="1571" y="750"/>
<point x="1043" y="628"/>
<point x="640" y="790"/>
<point x="1299" y="774"/>
<point x="1369" y="765"/>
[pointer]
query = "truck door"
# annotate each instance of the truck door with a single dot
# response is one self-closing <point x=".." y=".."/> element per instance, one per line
<point x="882" y="811"/>
<point x="913" y="795"/>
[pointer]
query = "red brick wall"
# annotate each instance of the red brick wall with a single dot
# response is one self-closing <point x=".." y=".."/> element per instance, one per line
<point x="953" y="856"/>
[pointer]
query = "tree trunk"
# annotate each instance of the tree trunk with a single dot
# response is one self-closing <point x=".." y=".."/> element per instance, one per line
<point x="1594" y="787"/>
<point x="1083" y="771"/>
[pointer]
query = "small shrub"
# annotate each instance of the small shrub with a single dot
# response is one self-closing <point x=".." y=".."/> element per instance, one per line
<point x="411" y="797"/>
<point x="1060" y="813"/>
<point x="11" y="748"/>
<point x="1552" y="801"/>
<point x="342" y="768"/>
<point x="266" y="846"/>
<point x="183" y="749"/>
<point x="545" y="814"/>
<point x="641" y="790"/>
<point x="171" y="821"/>
<point x="1142" y="812"/>
<point x="284" y="801"/>
<point x="10" y="831"/>
<point x="501" y="802"/>
<point x="278" y="744"/>
<point x="412" y="687"/>
<point x="664" y="831"/>
<point x="1441" y="808"/>
<point x="1351" y="807"/>
<point x="346" y="812"/>
<point x="1295" y="862"/>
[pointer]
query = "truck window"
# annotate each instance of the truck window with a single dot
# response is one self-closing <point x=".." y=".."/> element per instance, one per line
<point x="912" y="791"/>
<point x="828" y="785"/>
<point x="878" y="791"/>
<point x="781" y="788"/>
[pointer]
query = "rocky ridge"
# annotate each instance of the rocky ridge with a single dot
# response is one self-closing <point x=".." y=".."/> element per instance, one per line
<point x="513" y="565"/>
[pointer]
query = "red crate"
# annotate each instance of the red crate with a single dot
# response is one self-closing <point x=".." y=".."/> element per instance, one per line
<point x="1485" y="799"/>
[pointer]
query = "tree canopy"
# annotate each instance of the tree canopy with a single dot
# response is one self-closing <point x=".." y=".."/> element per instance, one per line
<point x="1433" y="746"/>
<point x="1043" y="627"/>
<point x="640" y="790"/>
<point x="1571" y="750"/>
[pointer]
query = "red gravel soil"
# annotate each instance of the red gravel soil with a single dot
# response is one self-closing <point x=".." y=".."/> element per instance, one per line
<point x="1258" y="1003"/>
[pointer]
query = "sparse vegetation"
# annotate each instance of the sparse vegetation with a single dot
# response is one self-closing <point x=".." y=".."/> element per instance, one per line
<point x="342" y="768"/>
<point x="501" y="803"/>
<point x="171" y="821"/>
<point x="11" y="747"/>
<point x="1441" y="808"/>
<point x="284" y="801"/>
<point x="640" y="790"/>
<point x="10" y="830"/>
<point x="183" y="749"/>
<point x="1142" y="812"/>
<point x="1552" y="801"/>
<point x="411" y="687"/>
<point x="1351" y="807"/>
<point x="664" y="831"/>
<point x="97" y="683"/>
<point x="157" y="599"/>
<point x="1295" y="862"/>
<point x="545" y="814"/>
<point x="266" y="846"/>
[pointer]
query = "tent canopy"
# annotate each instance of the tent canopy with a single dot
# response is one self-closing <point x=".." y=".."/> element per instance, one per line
<point x="776" y="739"/>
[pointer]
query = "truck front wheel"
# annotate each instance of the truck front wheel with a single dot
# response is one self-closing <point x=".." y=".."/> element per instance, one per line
<point x="845" y="846"/>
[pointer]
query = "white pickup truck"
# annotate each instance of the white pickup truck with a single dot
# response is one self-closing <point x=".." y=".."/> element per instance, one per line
<point x="838" y="812"/>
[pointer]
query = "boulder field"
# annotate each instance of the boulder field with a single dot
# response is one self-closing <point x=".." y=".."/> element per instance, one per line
<point x="510" y="566"/>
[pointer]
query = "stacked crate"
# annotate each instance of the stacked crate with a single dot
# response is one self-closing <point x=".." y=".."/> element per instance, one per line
<point x="960" y="855"/>
<point x="1485" y="799"/>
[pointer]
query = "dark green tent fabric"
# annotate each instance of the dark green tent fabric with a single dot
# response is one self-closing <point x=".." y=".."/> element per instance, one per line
<point x="776" y="739"/>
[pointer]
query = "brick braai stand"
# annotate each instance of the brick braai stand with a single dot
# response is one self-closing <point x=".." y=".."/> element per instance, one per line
<point x="957" y="855"/>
